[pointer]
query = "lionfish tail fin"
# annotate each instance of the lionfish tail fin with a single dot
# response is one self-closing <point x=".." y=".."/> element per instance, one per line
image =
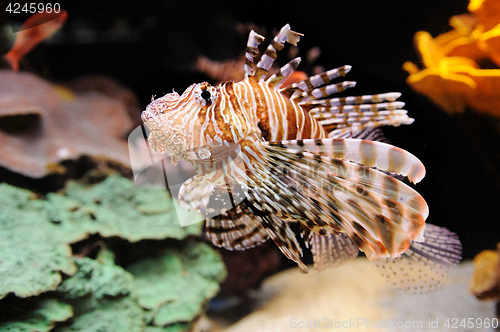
<point x="424" y="266"/>
<point x="278" y="43"/>
<point x="254" y="40"/>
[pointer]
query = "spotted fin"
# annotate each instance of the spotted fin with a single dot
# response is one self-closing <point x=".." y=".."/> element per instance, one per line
<point x="241" y="226"/>
<point x="346" y="175"/>
<point x="424" y="267"/>
<point x="285" y="239"/>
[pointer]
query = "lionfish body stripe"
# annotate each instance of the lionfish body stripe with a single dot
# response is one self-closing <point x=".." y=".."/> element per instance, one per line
<point x="268" y="155"/>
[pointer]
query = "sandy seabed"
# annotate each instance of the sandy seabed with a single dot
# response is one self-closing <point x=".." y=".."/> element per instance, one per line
<point x="355" y="297"/>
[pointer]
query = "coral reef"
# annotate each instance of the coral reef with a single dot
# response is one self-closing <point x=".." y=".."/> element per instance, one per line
<point x="485" y="281"/>
<point x="172" y="286"/>
<point x="42" y="124"/>
<point x="96" y="294"/>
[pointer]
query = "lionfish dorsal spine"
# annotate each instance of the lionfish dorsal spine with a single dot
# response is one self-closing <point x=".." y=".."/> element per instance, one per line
<point x="283" y="74"/>
<point x="278" y="43"/>
<point x="315" y="81"/>
<point x="254" y="40"/>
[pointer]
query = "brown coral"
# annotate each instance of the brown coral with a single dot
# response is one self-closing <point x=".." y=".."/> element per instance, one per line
<point x="42" y="124"/>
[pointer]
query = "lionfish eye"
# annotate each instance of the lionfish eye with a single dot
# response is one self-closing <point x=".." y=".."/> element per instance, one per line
<point x="205" y="94"/>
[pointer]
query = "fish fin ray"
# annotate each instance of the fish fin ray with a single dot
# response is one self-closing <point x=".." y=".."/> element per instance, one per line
<point x="424" y="266"/>
<point x="254" y="40"/>
<point x="331" y="250"/>
<point x="232" y="226"/>
<point x="267" y="59"/>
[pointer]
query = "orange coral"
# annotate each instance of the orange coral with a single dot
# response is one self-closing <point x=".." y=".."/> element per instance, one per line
<point x="485" y="281"/>
<point x="452" y="76"/>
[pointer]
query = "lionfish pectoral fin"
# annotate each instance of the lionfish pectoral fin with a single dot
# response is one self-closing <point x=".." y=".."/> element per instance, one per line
<point x="278" y="43"/>
<point x="383" y="156"/>
<point x="379" y="213"/>
<point x="230" y="224"/>
<point x="285" y="239"/>
<point x="194" y="193"/>
<point x="424" y="266"/>
<point x="331" y="250"/>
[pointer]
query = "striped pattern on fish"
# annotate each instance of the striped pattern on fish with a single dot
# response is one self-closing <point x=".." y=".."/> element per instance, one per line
<point x="269" y="155"/>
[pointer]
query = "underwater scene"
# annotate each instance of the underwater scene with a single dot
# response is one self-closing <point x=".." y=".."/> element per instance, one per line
<point x="225" y="166"/>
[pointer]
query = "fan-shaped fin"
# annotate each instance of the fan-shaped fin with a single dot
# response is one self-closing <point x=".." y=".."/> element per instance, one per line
<point x="424" y="266"/>
<point x="383" y="156"/>
<point x="328" y="195"/>
<point x="331" y="250"/>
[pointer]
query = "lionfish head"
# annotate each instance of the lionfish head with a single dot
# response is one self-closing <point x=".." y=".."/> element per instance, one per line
<point x="178" y="123"/>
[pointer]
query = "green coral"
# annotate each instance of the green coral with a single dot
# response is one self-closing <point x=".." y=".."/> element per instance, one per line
<point x="165" y="293"/>
<point x="103" y="297"/>
<point x="42" y="317"/>
<point x="35" y="234"/>
<point x="173" y="287"/>
<point x="33" y="250"/>
<point x="99" y="278"/>
<point x="142" y="213"/>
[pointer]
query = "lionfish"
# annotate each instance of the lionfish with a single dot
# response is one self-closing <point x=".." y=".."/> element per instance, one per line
<point x="269" y="156"/>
